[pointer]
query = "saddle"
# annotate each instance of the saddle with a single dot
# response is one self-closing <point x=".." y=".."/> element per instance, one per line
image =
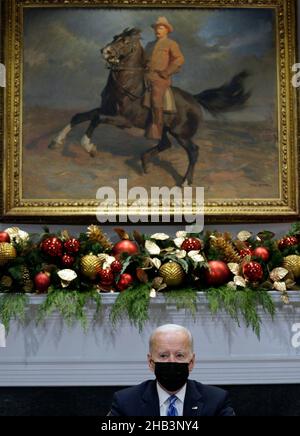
<point x="169" y="101"/>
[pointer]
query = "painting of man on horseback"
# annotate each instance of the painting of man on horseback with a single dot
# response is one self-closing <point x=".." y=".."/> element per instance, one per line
<point x="134" y="96"/>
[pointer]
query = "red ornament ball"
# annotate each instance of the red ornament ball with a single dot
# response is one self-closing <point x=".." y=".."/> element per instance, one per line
<point x="116" y="266"/>
<point x="67" y="261"/>
<point x="245" y="252"/>
<point x="42" y="282"/>
<point x="253" y="271"/>
<point x="72" y="246"/>
<point x="288" y="241"/>
<point x="125" y="246"/>
<point x="106" y="277"/>
<point x="262" y="252"/>
<point x="125" y="281"/>
<point x="191" y="244"/>
<point x="218" y="273"/>
<point x="52" y="247"/>
<point x="4" y="237"/>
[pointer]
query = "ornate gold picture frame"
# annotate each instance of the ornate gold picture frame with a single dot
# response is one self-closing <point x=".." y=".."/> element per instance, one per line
<point x="238" y="67"/>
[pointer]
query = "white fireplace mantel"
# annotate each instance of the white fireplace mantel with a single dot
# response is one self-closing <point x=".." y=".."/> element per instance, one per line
<point x="55" y="355"/>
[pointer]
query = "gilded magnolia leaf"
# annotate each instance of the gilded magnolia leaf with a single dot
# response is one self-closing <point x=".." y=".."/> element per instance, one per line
<point x="157" y="282"/>
<point x="160" y="236"/>
<point x="181" y="234"/>
<point x="156" y="262"/>
<point x="179" y="241"/>
<point x="234" y="268"/>
<point x="278" y="274"/>
<point x="122" y="233"/>
<point x="162" y="287"/>
<point x="280" y="286"/>
<point x="285" y="298"/>
<point x="267" y="285"/>
<point x="169" y="250"/>
<point x="66" y="276"/>
<point x="142" y="275"/>
<point x="138" y="237"/>
<point x="152" y="293"/>
<point x="147" y="263"/>
<point x="180" y="254"/>
<point x="19" y="236"/>
<point x="108" y="261"/>
<point x="232" y="285"/>
<point x="244" y="235"/>
<point x="65" y="236"/>
<point x="152" y="247"/>
<point x="240" y="281"/>
<point x="290" y="283"/>
<point x="195" y="256"/>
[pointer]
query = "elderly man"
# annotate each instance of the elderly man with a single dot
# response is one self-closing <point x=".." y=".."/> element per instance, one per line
<point x="171" y="358"/>
<point x="163" y="58"/>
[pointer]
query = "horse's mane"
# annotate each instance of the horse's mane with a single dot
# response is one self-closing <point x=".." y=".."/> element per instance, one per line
<point x="134" y="31"/>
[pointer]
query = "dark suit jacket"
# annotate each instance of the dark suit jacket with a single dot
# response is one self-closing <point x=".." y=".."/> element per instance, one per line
<point x="142" y="400"/>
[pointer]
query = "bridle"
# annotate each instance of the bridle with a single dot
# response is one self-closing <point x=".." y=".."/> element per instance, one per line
<point x="116" y="68"/>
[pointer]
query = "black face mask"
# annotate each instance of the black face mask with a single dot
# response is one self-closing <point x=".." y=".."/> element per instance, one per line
<point x="171" y="375"/>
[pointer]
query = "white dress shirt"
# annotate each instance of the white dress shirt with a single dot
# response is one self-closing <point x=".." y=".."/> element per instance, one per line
<point x="163" y="397"/>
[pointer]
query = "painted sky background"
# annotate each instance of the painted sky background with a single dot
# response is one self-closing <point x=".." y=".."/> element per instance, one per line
<point x="63" y="67"/>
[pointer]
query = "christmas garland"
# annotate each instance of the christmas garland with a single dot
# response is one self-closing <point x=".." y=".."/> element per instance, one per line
<point x="234" y="273"/>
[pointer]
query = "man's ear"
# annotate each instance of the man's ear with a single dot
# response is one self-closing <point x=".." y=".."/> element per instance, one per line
<point x="192" y="363"/>
<point x="150" y="363"/>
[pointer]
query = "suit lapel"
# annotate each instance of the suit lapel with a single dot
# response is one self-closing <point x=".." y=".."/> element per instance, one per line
<point x="150" y="401"/>
<point x="193" y="402"/>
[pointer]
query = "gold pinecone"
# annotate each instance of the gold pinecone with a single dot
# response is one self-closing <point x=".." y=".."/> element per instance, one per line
<point x="96" y="234"/>
<point x="228" y="252"/>
<point x="7" y="253"/>
<point x="292" y="264"/>
<point x="90" y="265"/>
<point x="27" y="282"/>
<point x="172" y="273"/>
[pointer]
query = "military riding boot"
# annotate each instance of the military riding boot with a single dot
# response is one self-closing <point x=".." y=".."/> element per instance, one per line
<point x="156" y="127"/>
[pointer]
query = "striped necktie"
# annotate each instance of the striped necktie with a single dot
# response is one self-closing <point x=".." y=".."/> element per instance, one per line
<point x="172" y="411"/>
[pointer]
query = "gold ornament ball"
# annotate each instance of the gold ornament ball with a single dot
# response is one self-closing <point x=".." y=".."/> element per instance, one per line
<point x="292" y="264"/>
<point x="6" y="281"/>
<point x="90" y="265"/>
<point x="7" y="253"/>
<point x="172" y="273"/>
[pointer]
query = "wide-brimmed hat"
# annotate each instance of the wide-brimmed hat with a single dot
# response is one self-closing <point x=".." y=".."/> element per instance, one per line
<point x="162" y="21"/>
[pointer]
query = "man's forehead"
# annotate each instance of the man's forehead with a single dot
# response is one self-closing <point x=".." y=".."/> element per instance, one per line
<point x="171" y="339"/>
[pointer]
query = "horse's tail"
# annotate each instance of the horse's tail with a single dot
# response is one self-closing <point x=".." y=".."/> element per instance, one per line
<point x="231" y="96"/>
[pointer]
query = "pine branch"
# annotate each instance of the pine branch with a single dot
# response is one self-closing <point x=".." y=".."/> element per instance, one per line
<point x="70" y="304"/>
<point x="183" y="299"/>
<point x="244" y="302"/>
<point x="134" y="303"/>
<point x="12" y="307"/>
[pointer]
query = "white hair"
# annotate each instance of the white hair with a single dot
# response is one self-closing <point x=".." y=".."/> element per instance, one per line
<point x="166" y="328"/>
